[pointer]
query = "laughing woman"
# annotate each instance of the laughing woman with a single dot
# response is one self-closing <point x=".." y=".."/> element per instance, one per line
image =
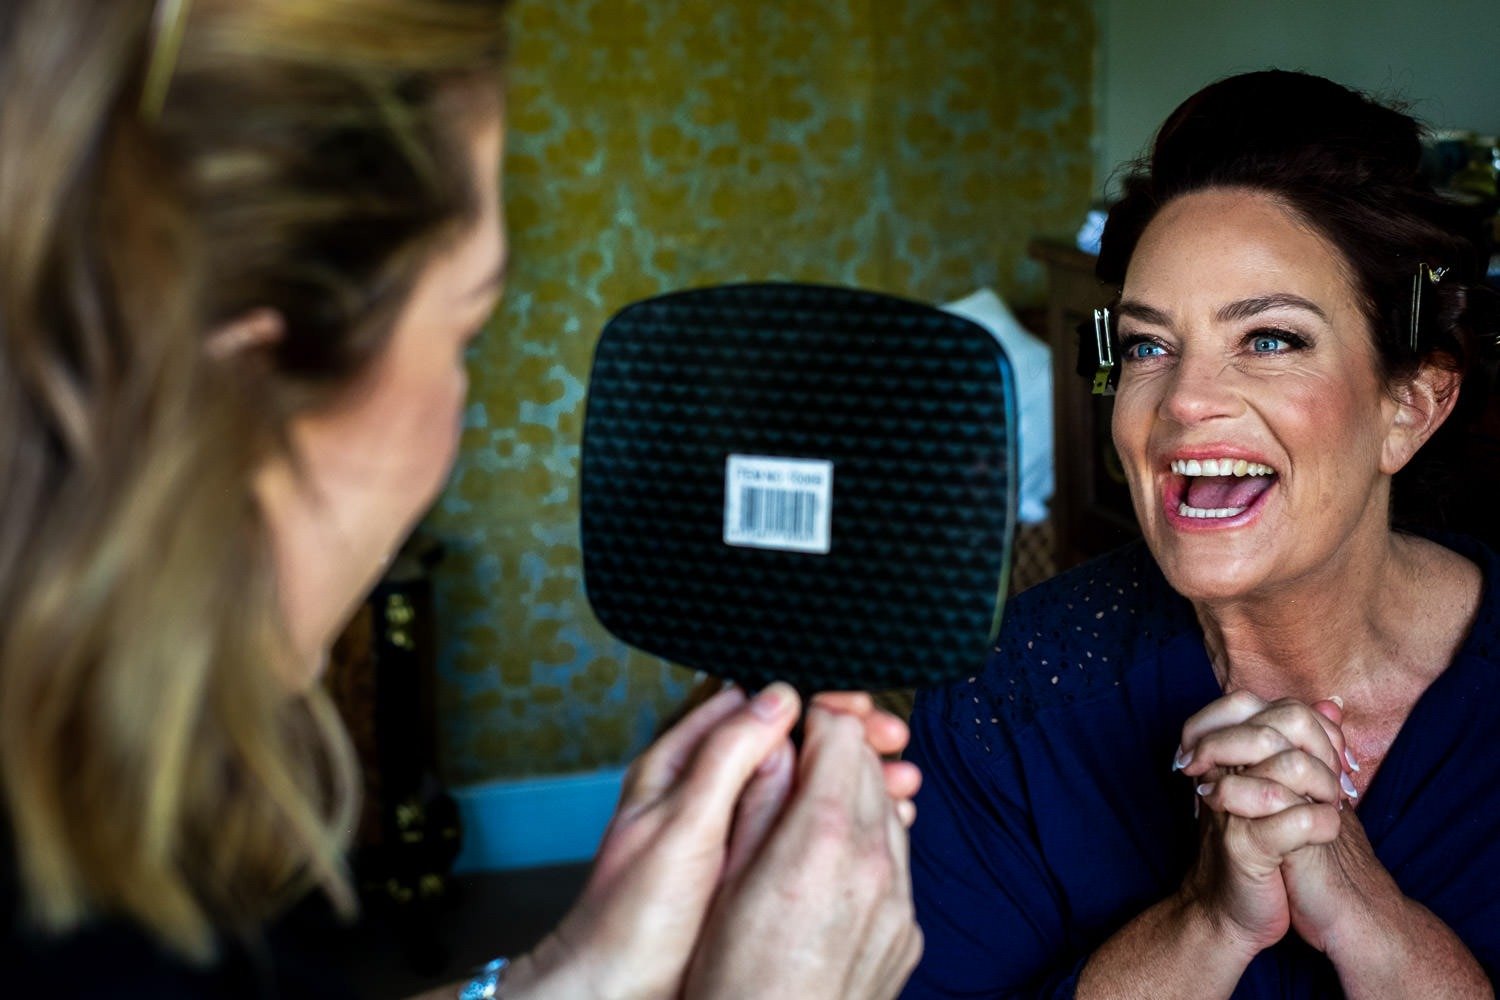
<point x="1254" y="755"/>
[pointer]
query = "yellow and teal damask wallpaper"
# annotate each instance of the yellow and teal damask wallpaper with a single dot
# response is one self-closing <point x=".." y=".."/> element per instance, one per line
<point x="911" y="146"/>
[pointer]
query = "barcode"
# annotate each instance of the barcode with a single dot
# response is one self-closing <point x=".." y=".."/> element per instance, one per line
<point x="772" y="502"/>
<point x="791" y="515"/>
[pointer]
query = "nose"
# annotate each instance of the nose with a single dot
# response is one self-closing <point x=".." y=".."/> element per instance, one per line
<point x="1199" y="388"/>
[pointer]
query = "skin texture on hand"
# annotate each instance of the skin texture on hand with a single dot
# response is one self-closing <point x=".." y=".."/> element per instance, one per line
<point x="1338" y="896"/>
<point x="821" y="906"/>
<point x="1281" y="850"/>
<point x="695" y="813"/>
<point x="1267" y="774"/>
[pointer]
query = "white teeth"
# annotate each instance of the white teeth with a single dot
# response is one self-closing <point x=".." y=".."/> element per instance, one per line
<point x="1208" y="512"/>
<point x="1220" y="467"/>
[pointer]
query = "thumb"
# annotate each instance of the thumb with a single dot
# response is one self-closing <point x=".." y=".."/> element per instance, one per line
<point x="731" y="755"/>
<point x="1331" y="709"/>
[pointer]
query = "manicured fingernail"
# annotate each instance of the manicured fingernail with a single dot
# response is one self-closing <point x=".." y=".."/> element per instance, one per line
<point x="1336" y="700"/>
<point x="773" y="700"/>
<point x="1348" y="785"/>
<point x="1205" y="789"/>
<point x="1181" y="759"/>
<point x="1349" y="759"/>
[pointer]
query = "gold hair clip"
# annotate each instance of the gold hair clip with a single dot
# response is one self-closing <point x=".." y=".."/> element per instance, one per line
<point x="168" y="25"/>
<point x="1424" y="275"/>
<point x="1104" y="373"/>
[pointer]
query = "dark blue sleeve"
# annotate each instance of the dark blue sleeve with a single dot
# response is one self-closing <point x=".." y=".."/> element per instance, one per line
<point x="993" y="919"/>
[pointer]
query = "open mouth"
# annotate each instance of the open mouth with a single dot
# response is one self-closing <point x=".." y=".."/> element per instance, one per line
<point x="1217" y="489"/>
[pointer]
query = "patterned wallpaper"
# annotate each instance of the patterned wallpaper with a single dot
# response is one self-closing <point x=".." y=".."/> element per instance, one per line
<point x="911" y="146"/>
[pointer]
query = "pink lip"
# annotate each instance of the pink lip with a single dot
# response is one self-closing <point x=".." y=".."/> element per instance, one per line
<point x="1173" y="489"/>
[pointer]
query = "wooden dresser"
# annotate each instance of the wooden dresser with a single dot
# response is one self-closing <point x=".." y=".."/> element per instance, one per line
<point x="1091" y="510"/>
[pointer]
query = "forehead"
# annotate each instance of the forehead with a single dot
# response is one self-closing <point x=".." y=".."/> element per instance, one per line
<point x="477" y="252"/>
<point x="1229" y="243"/>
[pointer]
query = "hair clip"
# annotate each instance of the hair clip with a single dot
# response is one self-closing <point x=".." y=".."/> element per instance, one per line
<point x="1424" y="274"/>
<point x="168" y="24"/>
<point x="1104" y="373"/>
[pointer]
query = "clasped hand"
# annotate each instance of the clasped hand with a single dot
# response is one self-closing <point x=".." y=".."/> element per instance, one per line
<point x="736" y="866"/>
<point x="1281" y="845"/>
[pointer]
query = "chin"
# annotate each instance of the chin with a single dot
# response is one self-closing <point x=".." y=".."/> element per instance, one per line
<point x="1207" y="567"/>
<point x="1211" y="584"/>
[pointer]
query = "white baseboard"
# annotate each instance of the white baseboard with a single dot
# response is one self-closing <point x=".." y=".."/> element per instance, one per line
<point x="527" y="822"/>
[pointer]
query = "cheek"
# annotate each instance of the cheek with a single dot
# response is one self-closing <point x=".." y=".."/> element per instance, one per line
<point x="1130" y="426"/>
<point x="1326" y="415"/>
<point x="443" y="424"/>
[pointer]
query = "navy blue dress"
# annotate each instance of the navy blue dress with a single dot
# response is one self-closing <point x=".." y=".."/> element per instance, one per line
<point x="1049" y="815"/>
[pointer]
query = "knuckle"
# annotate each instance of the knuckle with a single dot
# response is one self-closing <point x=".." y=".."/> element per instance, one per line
<point x="1291" y="712"/>
<point x="1301" y="820"/>
<point x="1244" y="699"/>
<point x="894" y="915"/>
<point x="880" y="869"/>
<point x="729" y="739"/>
<point x="917" y="947"/>
<point x="840" y="725"/>
<point x="1271" y="797"/>
<point x="1270" y="740"/>
<point x="636" y="785"/>
<point x="1294" y="766"/>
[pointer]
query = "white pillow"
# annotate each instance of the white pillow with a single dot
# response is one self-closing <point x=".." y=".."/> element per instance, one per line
<point x="1031" y="360"/>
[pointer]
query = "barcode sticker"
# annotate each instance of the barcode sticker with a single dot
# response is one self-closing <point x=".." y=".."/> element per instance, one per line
<point x="778" y="503"/>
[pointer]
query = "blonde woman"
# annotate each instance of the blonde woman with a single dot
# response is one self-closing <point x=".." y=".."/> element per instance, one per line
<point x="243" y="244"/>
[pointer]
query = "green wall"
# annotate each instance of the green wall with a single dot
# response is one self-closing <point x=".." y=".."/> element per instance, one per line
<point x="1442" y="57"/>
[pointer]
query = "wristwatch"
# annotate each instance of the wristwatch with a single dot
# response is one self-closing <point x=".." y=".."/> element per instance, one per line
<point x="486" y="985"/>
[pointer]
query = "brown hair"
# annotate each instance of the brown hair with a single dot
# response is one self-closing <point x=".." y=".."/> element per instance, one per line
<point x="308" y="158"/>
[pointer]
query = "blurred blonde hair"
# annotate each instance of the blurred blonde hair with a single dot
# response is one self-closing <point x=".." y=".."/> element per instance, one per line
<point x="308" y="157"/>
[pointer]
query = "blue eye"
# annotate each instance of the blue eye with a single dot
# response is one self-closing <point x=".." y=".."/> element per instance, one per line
<point x="1144" y="349"/>
<point x="1265" y="343"/>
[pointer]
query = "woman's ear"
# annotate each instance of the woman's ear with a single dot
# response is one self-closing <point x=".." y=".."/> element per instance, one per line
<point x="246" y="334"/>
<point x="1422" y="404"/>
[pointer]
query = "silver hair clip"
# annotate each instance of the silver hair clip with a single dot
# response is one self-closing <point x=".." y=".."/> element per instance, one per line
<point x="1424" y="275"/>
<point x="168" y="24"/>
<point x="1104" y="373"/>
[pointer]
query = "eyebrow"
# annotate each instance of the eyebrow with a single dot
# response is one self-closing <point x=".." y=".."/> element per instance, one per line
<point x="1240" y="310"/>
<point x="1245" y="308"/>
<point x="1142" y="312"/>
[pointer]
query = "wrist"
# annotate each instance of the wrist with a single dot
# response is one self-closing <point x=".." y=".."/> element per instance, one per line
<point x="542" y="972"/>
<point x="1175" y="949"/>
<point x="1371" y="922"/>
<point x="1361" y="935"/>
<point x="1210" y="931"/>
<point x="552" y="969"/>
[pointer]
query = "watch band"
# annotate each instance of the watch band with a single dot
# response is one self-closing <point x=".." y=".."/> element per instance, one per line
<point x="486" y="985"/>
